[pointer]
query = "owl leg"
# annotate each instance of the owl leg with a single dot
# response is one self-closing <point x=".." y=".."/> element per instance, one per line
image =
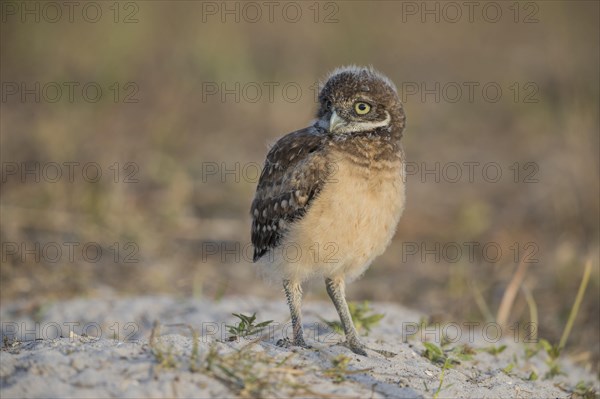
<point x="336" y="291"/>
<point x="293" y="293"/>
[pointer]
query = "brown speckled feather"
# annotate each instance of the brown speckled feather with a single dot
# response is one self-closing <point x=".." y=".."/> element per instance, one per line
<point x="293" y="175"/>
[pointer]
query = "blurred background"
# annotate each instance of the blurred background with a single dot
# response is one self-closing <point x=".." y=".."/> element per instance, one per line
<point x="132" y="135"/>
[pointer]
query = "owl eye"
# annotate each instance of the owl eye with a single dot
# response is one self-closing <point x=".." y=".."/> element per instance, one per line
<point x="362" y="108"/>
<point x="327" y="104"/>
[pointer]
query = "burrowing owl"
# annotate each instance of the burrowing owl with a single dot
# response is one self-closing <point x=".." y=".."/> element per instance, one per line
<point x="330" y="195"/>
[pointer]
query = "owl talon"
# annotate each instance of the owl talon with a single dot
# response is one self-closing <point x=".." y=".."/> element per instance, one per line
<point x="300" y="342"/>
<point x="357" y="347"/>
<point x="286" y="343"/>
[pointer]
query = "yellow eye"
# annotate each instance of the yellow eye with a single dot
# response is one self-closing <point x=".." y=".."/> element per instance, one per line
<point x="362" y="108"/>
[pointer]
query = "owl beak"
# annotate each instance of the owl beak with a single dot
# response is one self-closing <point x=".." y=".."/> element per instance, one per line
<point x="335" y="122"/>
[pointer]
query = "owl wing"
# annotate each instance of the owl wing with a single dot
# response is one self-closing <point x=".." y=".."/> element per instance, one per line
<point x="293" y="175"/>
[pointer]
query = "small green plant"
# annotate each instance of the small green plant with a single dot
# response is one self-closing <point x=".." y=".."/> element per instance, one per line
<point x="494" y="350"/>
<point x="433" y="353"/>
<point x="246" y="326"/>
<point x="553" y="370"/>
<point x="164" y="357"/>
<point x="252" y="374"/>
<point x="554" y="351"/>
<point x="195" y="355"/>
<point x="508" y="369"/>
<point x="463" y="352"/>
<point x="339" y="369"/>
<point x="531" y="351"/>
<point x="362" y="317"/>
<point x="532" y="376"/>
<point x="575" y="308"/>
<point x="211" y="357"/>
<point x="447" y="357"/>
<point x="585" y="391"/>
<point x="447" y="365"/>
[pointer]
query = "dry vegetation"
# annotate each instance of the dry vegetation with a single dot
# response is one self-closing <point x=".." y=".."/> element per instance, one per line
<point x="173" y="136"/>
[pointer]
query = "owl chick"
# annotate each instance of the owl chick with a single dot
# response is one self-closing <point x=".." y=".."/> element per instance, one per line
<point x="330" y="195"/>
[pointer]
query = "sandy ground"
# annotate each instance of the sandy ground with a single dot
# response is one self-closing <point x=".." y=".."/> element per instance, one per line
<point x="144" y="347"/>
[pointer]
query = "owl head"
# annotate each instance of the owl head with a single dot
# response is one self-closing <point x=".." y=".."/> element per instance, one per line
<point x="359" y="100"/>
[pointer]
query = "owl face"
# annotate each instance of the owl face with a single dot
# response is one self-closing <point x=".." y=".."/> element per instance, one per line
<point x="357" y="100"/>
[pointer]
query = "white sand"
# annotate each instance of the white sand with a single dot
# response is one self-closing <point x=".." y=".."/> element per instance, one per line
<point x="113" y="358"/>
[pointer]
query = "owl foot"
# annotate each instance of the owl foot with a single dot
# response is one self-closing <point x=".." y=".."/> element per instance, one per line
<point x="287" y="343"/>
<point x="356" y="346"/>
